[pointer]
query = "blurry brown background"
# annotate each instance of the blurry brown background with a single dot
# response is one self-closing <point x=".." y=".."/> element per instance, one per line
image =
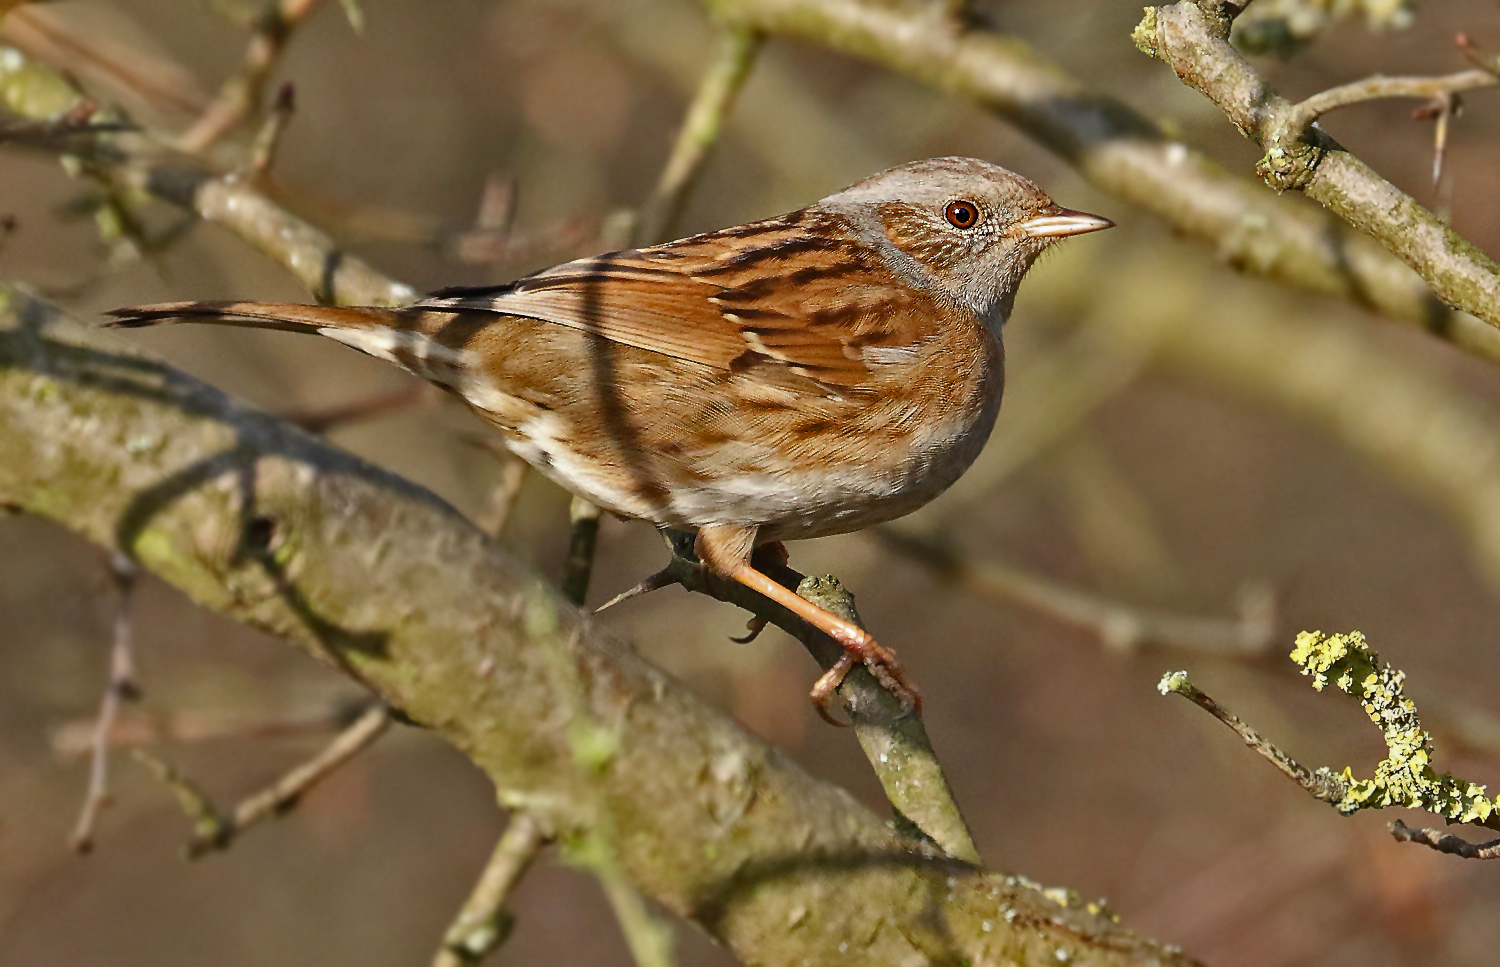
<point x="1173" y="490"/>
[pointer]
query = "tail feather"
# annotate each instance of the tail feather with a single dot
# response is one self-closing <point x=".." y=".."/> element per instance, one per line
<point x="405" y="337"/>
<point x="256" y="315"/>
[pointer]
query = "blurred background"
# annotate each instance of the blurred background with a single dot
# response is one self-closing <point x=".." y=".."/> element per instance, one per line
<point x="1175" y="437"/>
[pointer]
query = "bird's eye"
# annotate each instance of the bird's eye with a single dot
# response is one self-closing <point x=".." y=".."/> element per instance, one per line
<point x="962" y="214"/>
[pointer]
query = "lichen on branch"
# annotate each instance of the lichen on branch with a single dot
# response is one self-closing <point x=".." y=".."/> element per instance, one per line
<point x="1405" y="777"/>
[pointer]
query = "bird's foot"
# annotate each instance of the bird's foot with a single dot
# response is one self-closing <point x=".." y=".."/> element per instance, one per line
<point x="881" y="662"/>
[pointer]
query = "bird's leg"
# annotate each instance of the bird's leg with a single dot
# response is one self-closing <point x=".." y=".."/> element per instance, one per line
<point x="727" y="552"/>
<point x="775" y="555"/>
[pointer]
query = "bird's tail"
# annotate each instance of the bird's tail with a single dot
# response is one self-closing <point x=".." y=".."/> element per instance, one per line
<point x="410" y="338"/>
<point x="257" y="315"/>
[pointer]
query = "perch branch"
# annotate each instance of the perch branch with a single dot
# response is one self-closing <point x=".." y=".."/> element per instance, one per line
<point x="271" y="527"/>
<point x="896" y="745"/>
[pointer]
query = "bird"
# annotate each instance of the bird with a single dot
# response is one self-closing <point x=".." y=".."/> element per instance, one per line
<point x="809" y="374"/>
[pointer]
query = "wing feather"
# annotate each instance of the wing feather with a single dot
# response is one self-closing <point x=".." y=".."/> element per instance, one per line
<point x="791" y="289"/>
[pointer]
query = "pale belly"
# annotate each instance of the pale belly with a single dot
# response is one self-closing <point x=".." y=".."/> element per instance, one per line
<point x="786" y="501"/>
<point x="835" y="486"/>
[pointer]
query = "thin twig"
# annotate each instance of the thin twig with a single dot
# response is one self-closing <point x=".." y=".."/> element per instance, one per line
<point x="1445" y="842"/>
<point x="1404" y="778"/>
<point x="240" y="97"/>
<point x="1320" y="783"/>
<point x="1121" y="626"/>
<point x="199" y="809"/>
<point x="492" y="240"/>
<point x="213" y="830"/>
<point x="62" y="133"/>
<point x="649" y="939"/>
<point x="483" y="923"/>
<point x="77" y="738"/>
<point x="491" y="247"/>
<point x="701" y="129"/>
<point x="504" y="494"/>
<point x="1302" y="114"/>
<point x="268" y="138"/>
<point x="122" y="687"/>
<point x="1444" y="109"/>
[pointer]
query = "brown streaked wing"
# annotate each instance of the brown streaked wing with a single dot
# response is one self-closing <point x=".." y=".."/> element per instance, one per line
<point x="810" y="300"/>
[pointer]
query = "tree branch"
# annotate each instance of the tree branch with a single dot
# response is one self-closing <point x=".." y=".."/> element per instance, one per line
<point x="120" y="688"/>
<point x="483" y="923"/>
<point x="240" y="97"/>
<point x="1194" y="42"/>
<point x="711" y="105"/>
<point x="895" y="742"/>
<point x="219" y="832"/>
<point x="271" y="527"/>
<point x="1121" y="626"/>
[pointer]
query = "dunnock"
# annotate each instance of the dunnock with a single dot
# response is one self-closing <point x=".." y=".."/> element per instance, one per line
<point x="809" y="374"/>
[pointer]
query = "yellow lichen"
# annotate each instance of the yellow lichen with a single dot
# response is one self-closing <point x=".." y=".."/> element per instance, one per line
<point x="1405" y="777"/>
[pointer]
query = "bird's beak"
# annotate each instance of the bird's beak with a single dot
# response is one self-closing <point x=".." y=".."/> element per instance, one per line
<point x="1059" y="222"/>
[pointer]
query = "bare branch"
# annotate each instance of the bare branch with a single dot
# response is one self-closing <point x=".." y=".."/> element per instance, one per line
<point x="121" y="688"/>
<point x="1445" y="842"/>
<point x="483" y="923"/>
<point x="240" y="97"/>
<point x="1195" y="44"/>
<point x="1301" y="115"/>
<point x="213" y="830"/>
<point x="701" y="128"/>
<point x="1120" y="626"/>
